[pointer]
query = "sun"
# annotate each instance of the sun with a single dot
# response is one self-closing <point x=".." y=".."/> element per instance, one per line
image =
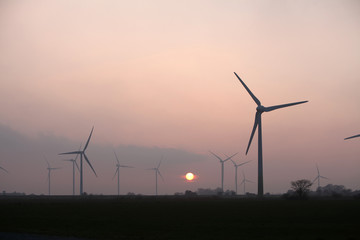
<point x="189" y="176"/>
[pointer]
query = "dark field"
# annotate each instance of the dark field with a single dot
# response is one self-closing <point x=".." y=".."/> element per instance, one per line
<point x="181" y="218"/>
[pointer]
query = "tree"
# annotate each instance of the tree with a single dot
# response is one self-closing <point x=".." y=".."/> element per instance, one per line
<point x="301" y="187"/>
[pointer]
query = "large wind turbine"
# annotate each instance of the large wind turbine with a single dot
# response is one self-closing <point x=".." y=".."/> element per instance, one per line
<point x="118" y="166"/>
<point x="236" y="173"/>
<point x="259" y="110"/>
<point x="222" y="161"/>
<point x="352" y="137"/>
<point x="82" y="154"/>
<point x="318" y="176"/>
<point x="156" y="178"/>
<point x="244" y="181"/>
<point x="49" y="168"/>
<point x="74" y="163"/>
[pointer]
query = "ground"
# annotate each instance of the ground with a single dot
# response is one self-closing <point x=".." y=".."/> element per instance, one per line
<point x="179" y="217"/>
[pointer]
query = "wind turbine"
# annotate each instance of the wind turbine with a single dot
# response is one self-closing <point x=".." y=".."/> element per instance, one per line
<point x="74" y="163"/>
<point x="318" y="176"/>
<point x="236" y="173"/>
<point x="118" y="172"/>
<point x="222" y="167"/>
<point x="352" y="137"/>
<point x="244" y="181"/>
<point x="49" y="172"/>
<point x="156" y="174"/>
<point x="82" y="154"/>
<point x="257" y="124"/>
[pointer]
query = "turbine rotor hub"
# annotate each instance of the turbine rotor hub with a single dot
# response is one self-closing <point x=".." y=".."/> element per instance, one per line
<point x="260" y="108"/>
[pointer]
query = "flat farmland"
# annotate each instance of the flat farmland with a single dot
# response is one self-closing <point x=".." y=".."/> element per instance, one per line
<point x="104" y="217"/>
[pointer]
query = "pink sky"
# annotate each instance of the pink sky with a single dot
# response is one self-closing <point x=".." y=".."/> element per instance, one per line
<point x="159" y="75"/>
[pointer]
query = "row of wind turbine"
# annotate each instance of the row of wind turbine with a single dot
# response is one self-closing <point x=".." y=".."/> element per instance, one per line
<point x="222" y="161"/>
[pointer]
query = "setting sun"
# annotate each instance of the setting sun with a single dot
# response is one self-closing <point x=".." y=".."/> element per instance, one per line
<point x="189" y="176"/>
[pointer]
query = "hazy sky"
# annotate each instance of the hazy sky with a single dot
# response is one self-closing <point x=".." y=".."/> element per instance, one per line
<point x="156" y="79"/>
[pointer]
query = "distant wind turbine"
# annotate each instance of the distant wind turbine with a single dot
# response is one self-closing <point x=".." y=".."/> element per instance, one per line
<point x="49" y="168"/>
<point x="352" y="137"/>
<point x="74" y="163"/>
<point x="222" y="161"/>
<point x="259" y="110"/>
<point x="82" y="154"/>
<point x="244" y="181"/>
<point x="156" y="178"/>
<point x="118" y="166"/>
<point x="236" y="173"/>
<point x="318" y="176"/>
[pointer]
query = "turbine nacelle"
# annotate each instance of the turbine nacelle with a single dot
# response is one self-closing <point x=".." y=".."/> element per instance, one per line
<point x="261" y="109"/>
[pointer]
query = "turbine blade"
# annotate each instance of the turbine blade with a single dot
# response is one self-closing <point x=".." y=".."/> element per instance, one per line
<point x="243" y="163"/>
<point x="318" y="170"/>
<point x="87" y="160"/>
<point x="352" y="137"/>
<point x="87" y="143"/>
<point x="117" y="159"/>
<point x="75" y="152"/>
<point x="160" y="175"/>
<point x="229" y="157"/>
<point x="233" y="162"/>
<point x="77" y="166"/>
<point x="4" y="169"/>
<point x="249" y="181"/>
<point x="117" y="170"/>
<point x="216" y="156"/>
<point x="324" y="177"/>
<point x="269" y="109"/>
<point x="315" y="179"/>
<point x="248" y="90"/>
<point x="46" y="161"/>
<point x="77" y="155"/>
<point x="159" y="163"/>
<point x="257" y="116"/>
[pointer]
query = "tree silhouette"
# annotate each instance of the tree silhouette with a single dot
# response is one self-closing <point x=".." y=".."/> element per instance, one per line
<point x="301" y="187"/>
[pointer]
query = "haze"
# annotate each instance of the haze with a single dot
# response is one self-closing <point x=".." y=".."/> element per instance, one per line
<point x="156" y="79"/>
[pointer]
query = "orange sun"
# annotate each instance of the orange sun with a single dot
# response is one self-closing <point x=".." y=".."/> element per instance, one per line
<point x="189" y="176"/>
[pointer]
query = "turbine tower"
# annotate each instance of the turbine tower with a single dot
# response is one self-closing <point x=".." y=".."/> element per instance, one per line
<point x="82" y="154"/>
<point x="156" y="178"/>
<point x="352" y="137"/>
<point x="236" y="173"/>
<point x="244" y="181"/>
<point x="257" y="124"/>
<point x="74" y="163"/>
<point x="318" y="176"/>
<point x="118" y="166"/>
<point x="49" y="168"/>
<point x="222" y="161"/>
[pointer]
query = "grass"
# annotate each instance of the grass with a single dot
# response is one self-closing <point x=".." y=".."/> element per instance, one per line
<point x="181" y="218"/>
